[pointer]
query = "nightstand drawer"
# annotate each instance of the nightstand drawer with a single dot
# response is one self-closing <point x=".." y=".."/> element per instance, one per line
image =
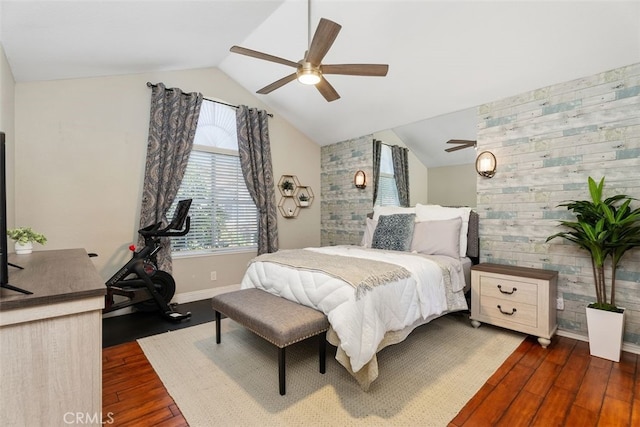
<point x="509" y="289"/>
<point x="501" y="312"/>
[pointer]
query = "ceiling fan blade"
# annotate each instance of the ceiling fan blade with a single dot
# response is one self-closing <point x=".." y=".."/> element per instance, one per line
<point x="277" y="84"/>
<point x="323" y="38"/>
<point x="264" y="56"/>
<point x="468" y="142"/>
<point x="459" y="147"/>
<point x="379" y="70"/>
<point x="325" y="88"/>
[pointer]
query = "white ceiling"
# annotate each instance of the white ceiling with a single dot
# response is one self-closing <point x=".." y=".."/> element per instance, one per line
<point x="444" y="57"/>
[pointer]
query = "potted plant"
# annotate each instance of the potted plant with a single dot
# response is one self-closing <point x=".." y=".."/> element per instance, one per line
<point x="304" y="199"/>
<point x="606" y="229"/>
<point x="287" y="188"/>
<point x="24" y="238"/>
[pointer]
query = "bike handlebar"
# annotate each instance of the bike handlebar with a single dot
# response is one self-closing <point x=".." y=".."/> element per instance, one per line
<point x="180" y="219"/>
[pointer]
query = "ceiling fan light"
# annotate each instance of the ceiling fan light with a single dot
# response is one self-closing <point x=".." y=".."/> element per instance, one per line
<point x="307" y="75"/>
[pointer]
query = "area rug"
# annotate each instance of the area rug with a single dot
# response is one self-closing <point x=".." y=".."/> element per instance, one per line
<point x="424" y="380"/>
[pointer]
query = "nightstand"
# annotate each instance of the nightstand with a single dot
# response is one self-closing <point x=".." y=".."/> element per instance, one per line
<point x="517" y="298"/>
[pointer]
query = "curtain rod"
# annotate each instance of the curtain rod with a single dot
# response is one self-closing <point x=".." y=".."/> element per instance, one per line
<point x="149" y="84"/>
<point x="384" y="143"/>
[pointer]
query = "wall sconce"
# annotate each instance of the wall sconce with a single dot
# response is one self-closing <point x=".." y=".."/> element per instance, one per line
<point x="360" y="179"/>
<point x="486" y="164"/>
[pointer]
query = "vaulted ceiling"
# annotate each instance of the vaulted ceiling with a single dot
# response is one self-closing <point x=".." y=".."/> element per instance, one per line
<point x="445" y="57"/>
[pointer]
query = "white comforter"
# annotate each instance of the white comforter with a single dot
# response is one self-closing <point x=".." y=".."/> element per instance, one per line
<point x="361" y="324"/>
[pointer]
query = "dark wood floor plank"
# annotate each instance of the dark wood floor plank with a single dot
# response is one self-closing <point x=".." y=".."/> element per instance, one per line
<point x="635" y="411"/>
<point x="591" y="391"/>
<point x="151" y="419"/>
<point x="511" y="361"/>
<point x="553" y="410"/>
<point x="573" y="371"/>
<point x="125" y="412"/>
<point x="615" y="413"/>
<point x="560" y="349"/>
<point x="620" y="386"/>
<point x="498" y="401"/>
<point x="580" y="417"/>
<point x="543" y="378"/>
<point x="472" y="405"/>
<point x="521" y="411"/>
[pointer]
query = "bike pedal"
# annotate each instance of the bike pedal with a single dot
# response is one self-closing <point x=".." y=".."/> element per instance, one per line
<point x="174" y="315"/>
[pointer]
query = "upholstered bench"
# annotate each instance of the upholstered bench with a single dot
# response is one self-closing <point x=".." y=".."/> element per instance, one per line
<point x="277" y="320"/>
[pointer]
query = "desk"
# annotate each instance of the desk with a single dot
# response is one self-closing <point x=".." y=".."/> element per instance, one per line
<point x="51" y="341"/>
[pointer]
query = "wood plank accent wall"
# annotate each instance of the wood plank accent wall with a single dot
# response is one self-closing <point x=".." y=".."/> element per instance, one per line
<point x="343" y="206"/>
<point x="547" y="143"/>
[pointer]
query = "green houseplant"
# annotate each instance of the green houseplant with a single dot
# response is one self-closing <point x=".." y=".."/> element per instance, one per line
<point x="304" y="199"/>
<point x="24" y="235"/>
<point x="287" y="187"/>
<point x="607" y="229"/>
<point x="24" y="238"/>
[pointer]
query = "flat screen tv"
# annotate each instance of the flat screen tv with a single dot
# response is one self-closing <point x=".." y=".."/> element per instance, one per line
<point x="4" y="249"/>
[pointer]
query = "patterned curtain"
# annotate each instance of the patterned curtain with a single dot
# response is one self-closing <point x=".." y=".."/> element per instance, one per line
<point x="172" y="128"/>
<point x="255" y="160"/>
<point x="377" y="150"/>
<point x="400" y="158"/>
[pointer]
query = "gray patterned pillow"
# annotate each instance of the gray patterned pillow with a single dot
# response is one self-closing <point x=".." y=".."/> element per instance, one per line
<point x="394" y="232"/>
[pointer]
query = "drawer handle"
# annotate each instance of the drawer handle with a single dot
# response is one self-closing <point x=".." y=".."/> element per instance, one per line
<point x="513" y="310"/>
<point x="506" y="292"/>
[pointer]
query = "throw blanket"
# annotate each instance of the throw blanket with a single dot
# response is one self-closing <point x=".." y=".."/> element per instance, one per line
<point x="363" y="274"/>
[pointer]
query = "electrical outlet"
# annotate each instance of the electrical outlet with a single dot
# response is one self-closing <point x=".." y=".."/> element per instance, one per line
<point x="214" y="276"/>
<point x="560" y="303"/>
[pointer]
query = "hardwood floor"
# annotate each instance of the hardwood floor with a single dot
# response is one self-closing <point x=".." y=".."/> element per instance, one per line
<point x="560" y="386"/>
<point x="132" y="393"/>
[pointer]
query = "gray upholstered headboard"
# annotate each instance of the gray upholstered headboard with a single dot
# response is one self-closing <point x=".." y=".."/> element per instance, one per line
<point x="473" y="237"/>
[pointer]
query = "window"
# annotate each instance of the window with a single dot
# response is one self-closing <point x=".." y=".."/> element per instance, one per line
<point x="223" y="215"/>
<point x="387" y="190"/>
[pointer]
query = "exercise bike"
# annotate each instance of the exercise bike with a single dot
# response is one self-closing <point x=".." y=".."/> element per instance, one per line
<point x="139" y="280"/>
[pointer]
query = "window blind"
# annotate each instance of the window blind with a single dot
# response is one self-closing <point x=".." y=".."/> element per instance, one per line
<point x="223" y="215"/>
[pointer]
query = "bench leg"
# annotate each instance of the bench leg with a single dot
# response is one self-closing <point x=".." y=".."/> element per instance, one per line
<point x="323" y="352"/>
<point x="281" y="357"/>
<point x="217" y="314"/>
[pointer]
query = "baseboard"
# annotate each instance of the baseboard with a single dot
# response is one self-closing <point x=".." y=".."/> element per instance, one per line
<point x="631" y="348"/>
<point x="203" y="294"/>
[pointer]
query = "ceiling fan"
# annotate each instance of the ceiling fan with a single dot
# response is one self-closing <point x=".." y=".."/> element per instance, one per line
<point x="310" y="69"/>
<point x="462" y="143"/>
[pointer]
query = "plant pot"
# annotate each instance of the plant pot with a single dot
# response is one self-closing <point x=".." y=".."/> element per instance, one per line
<point x="606" y="330"/>
<point x="304" y="203"/>
<point x="21" y="249"/>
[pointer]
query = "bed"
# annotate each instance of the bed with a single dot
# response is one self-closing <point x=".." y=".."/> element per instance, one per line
<point x="412" y="266"/>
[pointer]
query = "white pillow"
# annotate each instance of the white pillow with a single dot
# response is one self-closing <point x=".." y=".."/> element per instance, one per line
<point x="391" y="210"/>
<point x="370" y="228"/>
<point x="441" y="237"/>
<point x="436" y="212"/>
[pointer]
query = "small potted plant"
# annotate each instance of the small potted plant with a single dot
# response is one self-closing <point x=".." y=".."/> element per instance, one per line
<point x="287" y="188"/>
<point x="304" y="199"/>
<point x="24" y="238"/>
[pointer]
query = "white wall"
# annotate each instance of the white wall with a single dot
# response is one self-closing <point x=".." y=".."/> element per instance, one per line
<point x="80" y="156"/>
<point x="7" y="126"/>
<point x="453" y="185"/>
